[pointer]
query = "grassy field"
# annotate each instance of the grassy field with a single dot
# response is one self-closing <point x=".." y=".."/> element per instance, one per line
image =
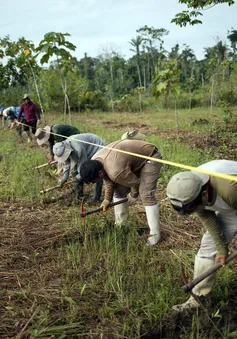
<point x="61" y="278"/>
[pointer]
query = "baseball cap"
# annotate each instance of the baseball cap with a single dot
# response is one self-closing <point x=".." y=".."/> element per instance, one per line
<point x="184" y="187"/>
<point x="62" y="151"/>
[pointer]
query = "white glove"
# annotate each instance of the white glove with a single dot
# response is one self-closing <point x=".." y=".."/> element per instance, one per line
<point x="131" y="200"/>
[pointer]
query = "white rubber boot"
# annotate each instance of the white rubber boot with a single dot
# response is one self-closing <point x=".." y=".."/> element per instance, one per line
<point x="152" y="214"/>
<point x="203" y="288"/>
<point x="120" y="212"/>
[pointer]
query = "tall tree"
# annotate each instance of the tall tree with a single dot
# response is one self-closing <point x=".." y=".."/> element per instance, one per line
<point x="232" y="36"/>
<point x="153" y="44"/>
<point x="55" y="44"/>
<point x="136" y="44"/>
<point x="22" y="54"/>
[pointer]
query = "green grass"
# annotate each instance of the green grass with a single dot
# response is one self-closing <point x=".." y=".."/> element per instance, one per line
<point x="98" y="280"/>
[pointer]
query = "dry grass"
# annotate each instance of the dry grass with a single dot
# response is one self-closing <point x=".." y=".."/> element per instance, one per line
<point x="33" y="242"/>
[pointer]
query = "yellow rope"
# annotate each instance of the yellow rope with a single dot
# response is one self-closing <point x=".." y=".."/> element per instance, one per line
<point x="170" y="163"/>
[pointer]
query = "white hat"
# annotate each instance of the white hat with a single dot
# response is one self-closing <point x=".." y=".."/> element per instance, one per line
<point x="42" y="135"/>
<point x="185" y="186"/>
<point x="62" y="150"/>
<point x="26" y="96"/>
<point x="133" y="135"/>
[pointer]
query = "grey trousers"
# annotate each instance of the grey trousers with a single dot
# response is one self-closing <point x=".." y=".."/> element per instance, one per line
<point x="228" y="223"/>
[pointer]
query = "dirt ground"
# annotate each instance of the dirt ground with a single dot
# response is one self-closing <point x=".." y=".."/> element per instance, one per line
<point x="31" y="234"/>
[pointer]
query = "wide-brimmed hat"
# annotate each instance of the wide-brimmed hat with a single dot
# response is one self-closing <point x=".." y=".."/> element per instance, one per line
<point x="185" y="186"/>
<point x="62" y="151"/>
<point x="133" y="135"/>
<point x="26" y="96"/>
<point x="42" y="135"/>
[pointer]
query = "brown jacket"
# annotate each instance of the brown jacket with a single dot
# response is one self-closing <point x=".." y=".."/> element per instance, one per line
<point x="121" y="168"/>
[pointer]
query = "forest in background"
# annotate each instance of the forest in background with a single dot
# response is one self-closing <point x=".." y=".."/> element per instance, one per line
<point x="111" y="83"/>
<point x="59" y="82"/>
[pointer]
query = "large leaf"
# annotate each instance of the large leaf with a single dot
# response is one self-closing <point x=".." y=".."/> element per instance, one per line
<point x="44" y="59"/>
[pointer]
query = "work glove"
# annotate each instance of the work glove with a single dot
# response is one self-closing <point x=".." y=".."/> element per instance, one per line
<point x="62" y="182"/>
<point x="105" y="205"/>
<point x="131" y="200"/>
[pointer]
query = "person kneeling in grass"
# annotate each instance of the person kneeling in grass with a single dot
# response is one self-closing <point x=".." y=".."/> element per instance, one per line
<point x="215" y="202"/>
<point x="127" y="175"/>
<point x="75" y="150"/>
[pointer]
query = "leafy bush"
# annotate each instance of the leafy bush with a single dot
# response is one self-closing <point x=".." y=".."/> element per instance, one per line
<point x="93" y="101"/>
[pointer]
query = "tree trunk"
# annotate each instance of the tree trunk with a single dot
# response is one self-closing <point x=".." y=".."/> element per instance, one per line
<point x="139" y="75"/>
<point x="64" y="88"/>
<point x="190" y="100"/>
<point x="140" y="100"/>
<point x="37" y="90"/>
<point x="65" y="109"/>
<point x="203" y="82"/>
<point x="144" y="76"/>
<point x="111" y="99"/>
<point x="212" y="91"/>
<point x="176" y="113"/>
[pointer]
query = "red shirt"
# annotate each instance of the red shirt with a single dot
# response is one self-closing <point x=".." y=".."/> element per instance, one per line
<point x="31" y="112"/>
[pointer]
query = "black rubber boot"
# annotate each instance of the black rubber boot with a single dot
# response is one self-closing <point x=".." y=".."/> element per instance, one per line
<point x="97" y="193"/>
<point x="79" y="190"/>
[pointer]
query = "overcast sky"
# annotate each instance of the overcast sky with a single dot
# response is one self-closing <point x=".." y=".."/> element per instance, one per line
<point x="94" y="24"/>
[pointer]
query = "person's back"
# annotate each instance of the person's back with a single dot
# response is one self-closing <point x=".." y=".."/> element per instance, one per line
<point x="63" y="131"/>
<point x="223" y="188"/>
<point x="74" y="150"/>
<point x="116" y="163"/>
<point x="221" y="166"/>
<point x="91" y="145"/>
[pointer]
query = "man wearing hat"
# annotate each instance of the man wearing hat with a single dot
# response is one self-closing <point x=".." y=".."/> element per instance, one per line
<point x="127" y="175"/>
<point x="78" y="149"/>
<point x="53" y="134"/>
<point x="215" y="202"/>
<point x="31" y="116"/>
<point x="133" y="135"/>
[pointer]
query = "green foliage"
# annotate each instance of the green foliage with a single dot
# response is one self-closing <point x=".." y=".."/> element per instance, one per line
<point x="51" y="45"/>
<point x="20" y="61"/>
<point x="227" y="112"/>
<point x="162" y="74"/>
<point x="93" y="101"/>
<point x="186" y="17"/>
<point x="232" y="36"/>
<point x="167" y="82"/>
